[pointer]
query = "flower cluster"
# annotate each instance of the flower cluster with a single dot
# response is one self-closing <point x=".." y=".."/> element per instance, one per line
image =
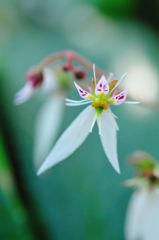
<point x="55" y="82"/>
<point x="103" y="92"/>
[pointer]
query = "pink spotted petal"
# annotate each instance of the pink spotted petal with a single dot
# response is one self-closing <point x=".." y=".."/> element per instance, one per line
<point x="102" y="86"/>
<point x="121" y="97"/>
<point x="83" y="93"/>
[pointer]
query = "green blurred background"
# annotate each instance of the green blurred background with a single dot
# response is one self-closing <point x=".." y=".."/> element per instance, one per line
<point x="81" y="198"/>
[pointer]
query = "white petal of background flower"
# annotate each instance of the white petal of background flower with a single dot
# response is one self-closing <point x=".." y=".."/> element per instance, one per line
<point x="24" y="94"/>
<point x="50" y="80"/>
<point x="71" y="139"/>
<point x="142" y="220"/>
<point x="142" y="81"/>
<point x="109" y="139"/>
<point x="135" y="215"/>
<point x="151" y="226"/>
<point x="46" y="127"/>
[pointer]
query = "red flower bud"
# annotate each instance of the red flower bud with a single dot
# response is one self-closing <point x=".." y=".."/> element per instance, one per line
<point x="67" y="67"/>
<point x="79" y="73"/>
<point x="34" y="77"/>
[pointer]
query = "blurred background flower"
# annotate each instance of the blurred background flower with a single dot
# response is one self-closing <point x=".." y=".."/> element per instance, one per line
<point x="82" y="198"/>
<point x="143" y="210"/>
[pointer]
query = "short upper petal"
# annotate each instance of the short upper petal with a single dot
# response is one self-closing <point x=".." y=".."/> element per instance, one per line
<point x="120" y="98"/>
<point x="83" y="93"/>
<point x="102" y="86"/>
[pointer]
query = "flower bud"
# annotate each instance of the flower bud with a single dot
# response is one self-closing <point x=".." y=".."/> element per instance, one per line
<point x="67" y="67"/>
<point x="79" y="73"/>
<point x="34" y="77"/>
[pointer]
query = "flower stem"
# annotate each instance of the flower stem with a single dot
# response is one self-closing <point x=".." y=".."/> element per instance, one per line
<point x="76" y="57"/>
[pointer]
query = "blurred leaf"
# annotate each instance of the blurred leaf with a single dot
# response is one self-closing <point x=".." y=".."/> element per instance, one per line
<point x="14" y="223"/>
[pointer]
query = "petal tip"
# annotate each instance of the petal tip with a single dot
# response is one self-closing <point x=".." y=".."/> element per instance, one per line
<point x="118" y="170"/>
<point x="117" y="167"/>
<point x="41" y="170"/>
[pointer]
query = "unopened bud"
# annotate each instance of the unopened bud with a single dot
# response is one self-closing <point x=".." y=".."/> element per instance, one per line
<point x="34" y="77"/>
<point x="67" y="67"/>
<point x="79" y="73"/>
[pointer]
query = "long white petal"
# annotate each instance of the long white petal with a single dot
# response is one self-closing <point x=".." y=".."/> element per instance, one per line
<point x="109" y="139"/>
<point x="115" y="122"/>
<point x="71" y="139"/>
<point x="24" y="94"/>
<point x="46" y="127"/>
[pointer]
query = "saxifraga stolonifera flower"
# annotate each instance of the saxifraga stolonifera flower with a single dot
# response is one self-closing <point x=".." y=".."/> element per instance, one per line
<point x="142" y="217"/>
<point x="55" y="81"/>
<point x="100" y="96"/>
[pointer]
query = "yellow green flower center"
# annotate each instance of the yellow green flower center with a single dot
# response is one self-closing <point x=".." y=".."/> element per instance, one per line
<point x="101" y="101"/>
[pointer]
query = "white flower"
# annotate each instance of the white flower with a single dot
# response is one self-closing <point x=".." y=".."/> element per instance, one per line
<point x="101" y="96"/>
<point x="34" y="80"/>
<point x="24" y="94"/>
<point x="50" y="115"/>
<point x="142" y="220"/>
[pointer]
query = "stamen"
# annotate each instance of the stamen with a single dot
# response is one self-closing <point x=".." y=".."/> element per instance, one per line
<point x="131" y="102"/>
<point x="75" y="101"/>
<point x="94" y="74"/>
<point x="77" y="104"/>
<point x="110" y="76"/>
<point x="100" y="104"/>
<point x="119" y="81"/>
